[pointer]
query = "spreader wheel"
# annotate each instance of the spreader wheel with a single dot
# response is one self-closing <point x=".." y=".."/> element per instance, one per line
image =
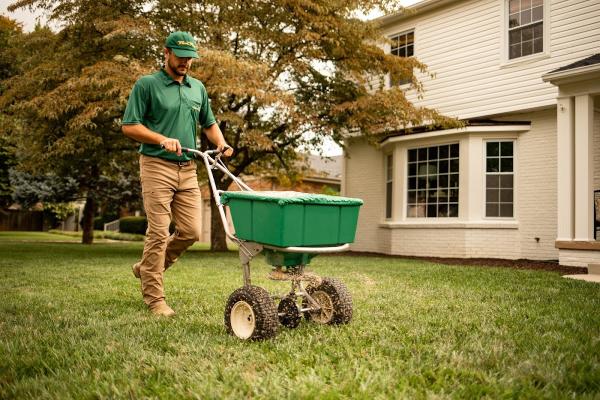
<point x="250" y="314"/>
<point x="289" y="314"/>
<point x="335" y="302"/>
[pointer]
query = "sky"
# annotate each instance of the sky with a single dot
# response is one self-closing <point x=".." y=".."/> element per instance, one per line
<point x="28" y="19"/>
<point x="23" y="16"/>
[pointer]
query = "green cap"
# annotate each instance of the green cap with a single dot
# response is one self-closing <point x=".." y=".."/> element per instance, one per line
<point x="182" y="44"/>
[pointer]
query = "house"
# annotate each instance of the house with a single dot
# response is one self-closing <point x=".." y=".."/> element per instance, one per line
<point x="518" y="181"/>
<point x="323" y="175"/>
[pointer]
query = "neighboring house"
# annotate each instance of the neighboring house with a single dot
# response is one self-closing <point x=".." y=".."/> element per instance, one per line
<point x="518" y="181"/>
<point x="323" y="176"/>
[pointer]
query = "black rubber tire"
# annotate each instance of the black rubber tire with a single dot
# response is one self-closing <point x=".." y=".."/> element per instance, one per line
<point x="265" y="322"/>
<point x="340" y="298"/>
<point x="289" y="308"/>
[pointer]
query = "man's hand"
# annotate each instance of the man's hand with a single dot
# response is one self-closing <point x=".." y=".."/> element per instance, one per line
<point x="171" y="145"/>
<point x="225" y="149"/>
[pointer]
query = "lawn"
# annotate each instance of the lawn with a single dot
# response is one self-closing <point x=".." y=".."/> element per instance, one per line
<point x="72" y="325"/>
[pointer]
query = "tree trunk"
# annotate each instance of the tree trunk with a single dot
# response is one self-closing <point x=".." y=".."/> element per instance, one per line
<point x="87" y="222"/>
<point x="217" y="233"/>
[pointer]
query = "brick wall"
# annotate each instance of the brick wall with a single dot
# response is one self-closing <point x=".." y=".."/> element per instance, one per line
<point x="531" y="236"/>
<point x="579" y="258"/>
<point x="536" y="202"/>
<point x="364" y="179"/>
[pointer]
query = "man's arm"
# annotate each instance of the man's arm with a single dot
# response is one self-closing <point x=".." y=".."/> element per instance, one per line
<point x="214" y="134"/>
<point x="140" y="133"/>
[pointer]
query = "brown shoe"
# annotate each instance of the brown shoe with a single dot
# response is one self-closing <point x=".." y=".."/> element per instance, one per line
<point x="136" y="270"/>
<point x="161" y="309"/>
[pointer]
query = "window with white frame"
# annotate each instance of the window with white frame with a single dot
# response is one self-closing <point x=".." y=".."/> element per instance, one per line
<point x="525" y="27"/>
<point x="403" y="45"/>
<point x="499" y="179"/>
<point x="389" y="175"/>
<point x="432" y="189"/>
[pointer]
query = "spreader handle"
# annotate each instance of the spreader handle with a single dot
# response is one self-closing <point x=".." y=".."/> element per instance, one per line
<point x="188" y="150"/>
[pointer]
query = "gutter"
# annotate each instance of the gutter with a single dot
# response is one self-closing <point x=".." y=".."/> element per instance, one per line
<point x="571" y="75"/>
<point x="508" y="128"/>
<point x="411" y="11"/>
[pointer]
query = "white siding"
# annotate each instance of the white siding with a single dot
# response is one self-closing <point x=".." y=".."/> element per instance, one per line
<point x="464" y="46"/>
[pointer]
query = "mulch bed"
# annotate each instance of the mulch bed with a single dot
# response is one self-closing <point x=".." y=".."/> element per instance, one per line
<point x="552" y="266"/>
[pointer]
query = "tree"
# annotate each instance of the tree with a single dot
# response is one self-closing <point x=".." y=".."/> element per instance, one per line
<point x="30" y="190"/>
<point x="281" y="74"/>
<point x="55" y="193"/>
<point x="73" y="93"/>
<point x="10" y="34"/>
<point x="7" y="161"/>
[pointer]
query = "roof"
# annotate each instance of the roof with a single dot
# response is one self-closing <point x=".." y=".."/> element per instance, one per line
<point x="585" y="69"/>
<point x="330" y="167"/>
<point x="591" y="60"/>
<point x="410" y="11"/>
<point x="468" y="123"/>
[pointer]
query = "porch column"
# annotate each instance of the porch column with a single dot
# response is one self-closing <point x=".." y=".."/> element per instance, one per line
<point x="565" y="166"/>
<point x="584" y="167"/>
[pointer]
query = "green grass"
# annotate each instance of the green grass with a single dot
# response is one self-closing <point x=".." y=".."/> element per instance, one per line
<point x="72" y="325"/>
<point x="132" y="237"/>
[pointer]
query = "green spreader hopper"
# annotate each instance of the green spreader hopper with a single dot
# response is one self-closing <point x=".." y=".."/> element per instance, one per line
<point x="289" y="228"/>
<point x="286" y="219"/>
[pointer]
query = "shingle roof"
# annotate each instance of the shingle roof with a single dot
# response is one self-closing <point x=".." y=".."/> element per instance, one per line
<point x="591" y="60"/>
<point x="472" y="122"/>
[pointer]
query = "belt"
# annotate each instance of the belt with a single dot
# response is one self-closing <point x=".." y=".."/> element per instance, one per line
<point x="180" y="163"/>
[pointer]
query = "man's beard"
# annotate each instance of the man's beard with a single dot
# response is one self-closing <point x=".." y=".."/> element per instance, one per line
<point x="174" y="67"/>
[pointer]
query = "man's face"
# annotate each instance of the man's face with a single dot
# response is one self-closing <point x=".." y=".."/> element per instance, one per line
<point x="179" y="65"/>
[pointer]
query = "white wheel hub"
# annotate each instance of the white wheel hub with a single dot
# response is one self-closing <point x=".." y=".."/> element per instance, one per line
<point x="243" y="321"/>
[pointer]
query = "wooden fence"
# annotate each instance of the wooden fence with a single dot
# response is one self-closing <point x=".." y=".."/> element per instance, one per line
<point x="19" y="220"/>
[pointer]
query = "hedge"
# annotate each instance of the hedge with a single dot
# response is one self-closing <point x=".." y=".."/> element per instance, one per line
<point x="133" y="225"/>
<point x="137" y="225"/>
<point x="99" y="223"/>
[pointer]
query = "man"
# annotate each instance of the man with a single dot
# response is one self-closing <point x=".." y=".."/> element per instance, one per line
<point x="162" y="113"/>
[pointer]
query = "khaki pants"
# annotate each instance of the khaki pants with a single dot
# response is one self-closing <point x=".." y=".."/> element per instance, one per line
<point x="168" y="190"/>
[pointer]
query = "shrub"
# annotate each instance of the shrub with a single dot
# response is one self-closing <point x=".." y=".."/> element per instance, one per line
<point x="103" y="219"/>
<point x="137" y="225"/>
<point x="133" y="225"/>
<point x="98" y="223"/>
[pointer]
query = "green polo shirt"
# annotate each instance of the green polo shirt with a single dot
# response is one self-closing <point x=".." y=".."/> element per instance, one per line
<point x="172" y="109"/>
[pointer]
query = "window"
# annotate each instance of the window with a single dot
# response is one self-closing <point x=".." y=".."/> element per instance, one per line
<point x="433" y="182"/>
<point x="525" y="27"/>
<point x="403" y="45"/>
<point x="499" y="179"/>
<point x="388" y="185"/>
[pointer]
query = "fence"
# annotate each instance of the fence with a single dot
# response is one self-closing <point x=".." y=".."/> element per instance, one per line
<point x="112" y="226"/>
<point x="20" y="220"/>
